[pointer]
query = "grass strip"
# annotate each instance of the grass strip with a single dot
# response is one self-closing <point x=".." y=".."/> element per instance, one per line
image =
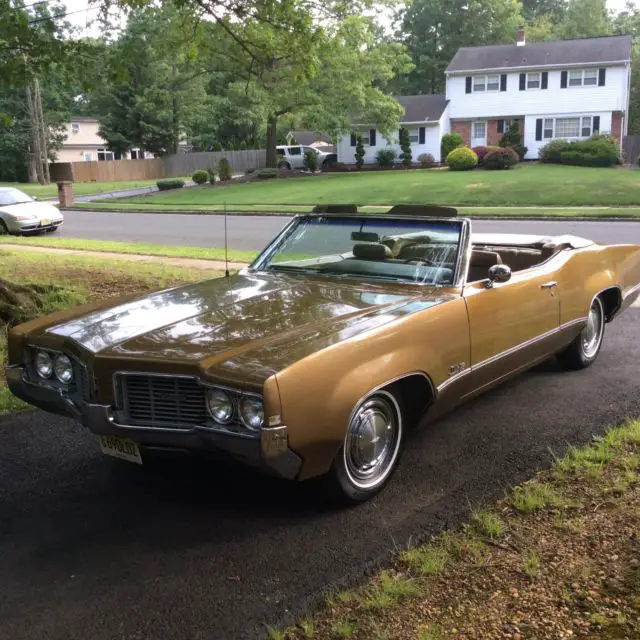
<point x="557" y="557"/>
<point x="137" y="248"/>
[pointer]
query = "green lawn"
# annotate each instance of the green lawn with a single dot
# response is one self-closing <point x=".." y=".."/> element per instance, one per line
<point x="139" y="248"/>
<point x="530" y="184"/>
<point x="79" y="188"/>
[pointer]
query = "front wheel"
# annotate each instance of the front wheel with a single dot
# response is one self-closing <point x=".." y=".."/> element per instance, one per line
<point x="4" y="231"/>
<point x="583" y="351"/>
<point x="371" y="450"/>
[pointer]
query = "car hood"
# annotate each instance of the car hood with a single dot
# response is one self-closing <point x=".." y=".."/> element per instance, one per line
<point x="34" y="209"/>
<point x="220" y="323"/>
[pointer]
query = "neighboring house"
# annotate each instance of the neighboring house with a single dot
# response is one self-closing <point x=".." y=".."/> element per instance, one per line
<point x="566" y="89"/>
<point x="84" y="144"/>
<point x="311" y="139"/>
<point x="427" y="119"/>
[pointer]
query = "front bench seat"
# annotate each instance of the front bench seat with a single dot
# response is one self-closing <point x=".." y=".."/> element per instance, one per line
<point x="480" y="263"/>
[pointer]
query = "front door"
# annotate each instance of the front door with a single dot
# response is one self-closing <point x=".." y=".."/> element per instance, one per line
<point x="479" y="133"/>
<point x="511" y="324"/>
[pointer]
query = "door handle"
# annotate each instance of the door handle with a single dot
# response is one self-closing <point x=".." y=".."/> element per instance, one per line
<point x="549" y="285"/>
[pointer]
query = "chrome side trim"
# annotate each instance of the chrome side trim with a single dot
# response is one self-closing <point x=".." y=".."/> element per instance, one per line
<point x="510" y="351"/>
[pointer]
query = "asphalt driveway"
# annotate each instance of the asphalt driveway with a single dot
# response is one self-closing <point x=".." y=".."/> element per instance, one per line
<point x="94" y="548"/>
<point x="254" y="232"/>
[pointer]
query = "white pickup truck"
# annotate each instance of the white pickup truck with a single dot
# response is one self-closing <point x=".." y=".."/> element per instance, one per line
<point x="292" y="157"/>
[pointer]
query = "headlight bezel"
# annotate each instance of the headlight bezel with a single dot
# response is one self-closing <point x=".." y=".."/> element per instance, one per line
<point x="241" y="411"/>
<point x="56" y="360"/>
<point x="232" y="408"/>
<point x="31" y="362"/>
<point x="36" y="356"/>
<point x="236" y="424"/>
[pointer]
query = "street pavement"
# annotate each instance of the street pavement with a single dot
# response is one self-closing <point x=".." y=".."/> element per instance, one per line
<point x="97" y="549"/>
<point x="254" y="232"/>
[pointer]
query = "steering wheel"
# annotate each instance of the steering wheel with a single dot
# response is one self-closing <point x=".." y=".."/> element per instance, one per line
<point x="421" y="261"/>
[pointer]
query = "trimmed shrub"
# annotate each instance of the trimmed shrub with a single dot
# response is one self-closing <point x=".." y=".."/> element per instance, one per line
<point x="405" y="145"/>
<point x="200" y="176"/>
<point x="386" y="157"/>
<point x="482" y="151"/>
<point x="211" y="172"/>
<point x="249" y="171"/>
<point x="501" y="158"/>
<point x="359" y="152"/>
<point x="450" y="141"/>
<point x="170" y="183"/>
<point x="266" y="174"/>
<point x="225" y="170"/>
<point x="462" y="159"/>
<point x="512" y="138"/>
<point x="597" y="151"/>
<point x="426" y="160"/>
<point x="310" y="161"/>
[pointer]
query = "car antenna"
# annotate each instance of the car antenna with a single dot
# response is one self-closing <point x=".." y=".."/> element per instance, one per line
<point x="226" y="256"/>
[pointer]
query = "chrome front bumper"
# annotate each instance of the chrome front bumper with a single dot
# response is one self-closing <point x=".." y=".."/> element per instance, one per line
<point x="29" y="226"/>
<point x="269" y="452"/>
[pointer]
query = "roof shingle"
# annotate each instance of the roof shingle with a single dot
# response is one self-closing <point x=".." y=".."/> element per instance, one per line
<point x="537" y="54"/>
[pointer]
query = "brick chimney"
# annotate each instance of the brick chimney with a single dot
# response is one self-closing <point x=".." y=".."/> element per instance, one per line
<point x="521" y="36"/>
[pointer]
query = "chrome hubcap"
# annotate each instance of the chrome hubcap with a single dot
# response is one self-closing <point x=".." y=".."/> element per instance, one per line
<point x="373" y="441"/>
<point x="592" y="333"/>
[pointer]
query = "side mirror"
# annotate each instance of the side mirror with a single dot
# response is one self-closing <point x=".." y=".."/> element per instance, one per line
<point x="498" y="273"/>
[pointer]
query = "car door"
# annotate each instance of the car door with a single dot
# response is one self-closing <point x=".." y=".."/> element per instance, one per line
<point x="295" y="157"/>
<point x="511" y="324"/>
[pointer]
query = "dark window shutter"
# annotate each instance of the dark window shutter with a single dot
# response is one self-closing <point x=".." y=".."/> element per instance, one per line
<point x="563" y="79"/>
<point x="423" y="135"/>
<point x="545" y="80"/>
<point x="372" y="138"/>
<point x="468" y="87"/>
<point x="596" y="124"/>
<point x="353" y="140"/>
<point x="539" y="129"/>
<point x="602" y="77"/>
<point x="503" y="82"/>
<point x="523" y="81"/>
<point x="500" y="126"/>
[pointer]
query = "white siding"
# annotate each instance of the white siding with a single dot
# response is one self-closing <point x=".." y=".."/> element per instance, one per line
<point x="534" y="146"/>
<point x="513" y="102"/>
<point x="346" y="153"/>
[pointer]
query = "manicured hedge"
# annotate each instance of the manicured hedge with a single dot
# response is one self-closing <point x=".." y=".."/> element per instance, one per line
<point x="597" y="151"/>
<point x="501" y="158"/>
<point x="266" y="174"/>
<point x="449" y="142"/>
<point x="200" y="176"/>
<point x="462" y="159"/>
<point x="170" y="183"/>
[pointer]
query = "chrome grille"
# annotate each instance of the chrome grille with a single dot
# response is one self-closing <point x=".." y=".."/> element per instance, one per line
<point x="161" y="401"/>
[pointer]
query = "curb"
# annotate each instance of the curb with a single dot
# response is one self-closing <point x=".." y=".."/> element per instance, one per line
<point x="266" y="214"/>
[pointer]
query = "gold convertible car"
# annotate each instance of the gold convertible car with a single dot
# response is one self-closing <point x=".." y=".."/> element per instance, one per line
<point x="315" y="360"/>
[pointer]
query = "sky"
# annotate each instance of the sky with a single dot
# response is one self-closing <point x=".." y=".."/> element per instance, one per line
<point x="85" y="18"/>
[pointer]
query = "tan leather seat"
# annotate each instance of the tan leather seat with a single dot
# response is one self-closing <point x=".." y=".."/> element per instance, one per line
<point x="371" y="251"/>
<point x="480" y="263"/>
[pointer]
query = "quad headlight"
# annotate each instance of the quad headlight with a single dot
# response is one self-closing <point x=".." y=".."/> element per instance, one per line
<point x="220" y="405"/>
<point x="63" y="368"/>
<point x="252" y="412"/>
<point x="44" y="364"/>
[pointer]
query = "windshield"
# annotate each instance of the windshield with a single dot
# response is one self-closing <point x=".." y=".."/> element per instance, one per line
<point x="13" y="196"/>
<point x="419" y="251"/>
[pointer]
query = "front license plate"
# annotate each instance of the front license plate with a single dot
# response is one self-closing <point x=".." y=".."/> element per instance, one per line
<point x="122" y="448"/>
<point x="45" y="222"/>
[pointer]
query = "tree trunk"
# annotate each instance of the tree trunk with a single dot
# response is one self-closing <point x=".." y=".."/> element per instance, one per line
<point x="34" y="132"/>
<point x="272" y="141"/>
<point x="33" y="174"/>
<point x="44" y="146"/>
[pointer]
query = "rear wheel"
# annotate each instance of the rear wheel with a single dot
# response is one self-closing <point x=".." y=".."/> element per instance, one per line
<point x="583" y="351"/>
<point x="284" y="165"/>
<point x="371" y="450"/>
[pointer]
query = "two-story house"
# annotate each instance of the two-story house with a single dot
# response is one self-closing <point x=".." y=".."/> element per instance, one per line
<point x="566" y="89"/>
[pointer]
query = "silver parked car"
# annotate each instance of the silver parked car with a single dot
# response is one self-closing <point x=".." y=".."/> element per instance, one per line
<point x="20" y="213"/>
<point x="292" y="157"/>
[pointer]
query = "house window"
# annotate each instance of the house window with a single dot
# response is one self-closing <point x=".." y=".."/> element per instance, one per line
<point x="547" y="130"/>
<point x="75" y="127"/>
<point x="137" y="154"/>
<point x="583" y="78"/>
<point x="87" y="156"/>
<point x="486" y="83"/>
<point x="414" y="136"/>
<point x="533" y="80"/>
<point x="105" y="154"/>
<point x="586" y="127"/>
<point x="567" y="127"/>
